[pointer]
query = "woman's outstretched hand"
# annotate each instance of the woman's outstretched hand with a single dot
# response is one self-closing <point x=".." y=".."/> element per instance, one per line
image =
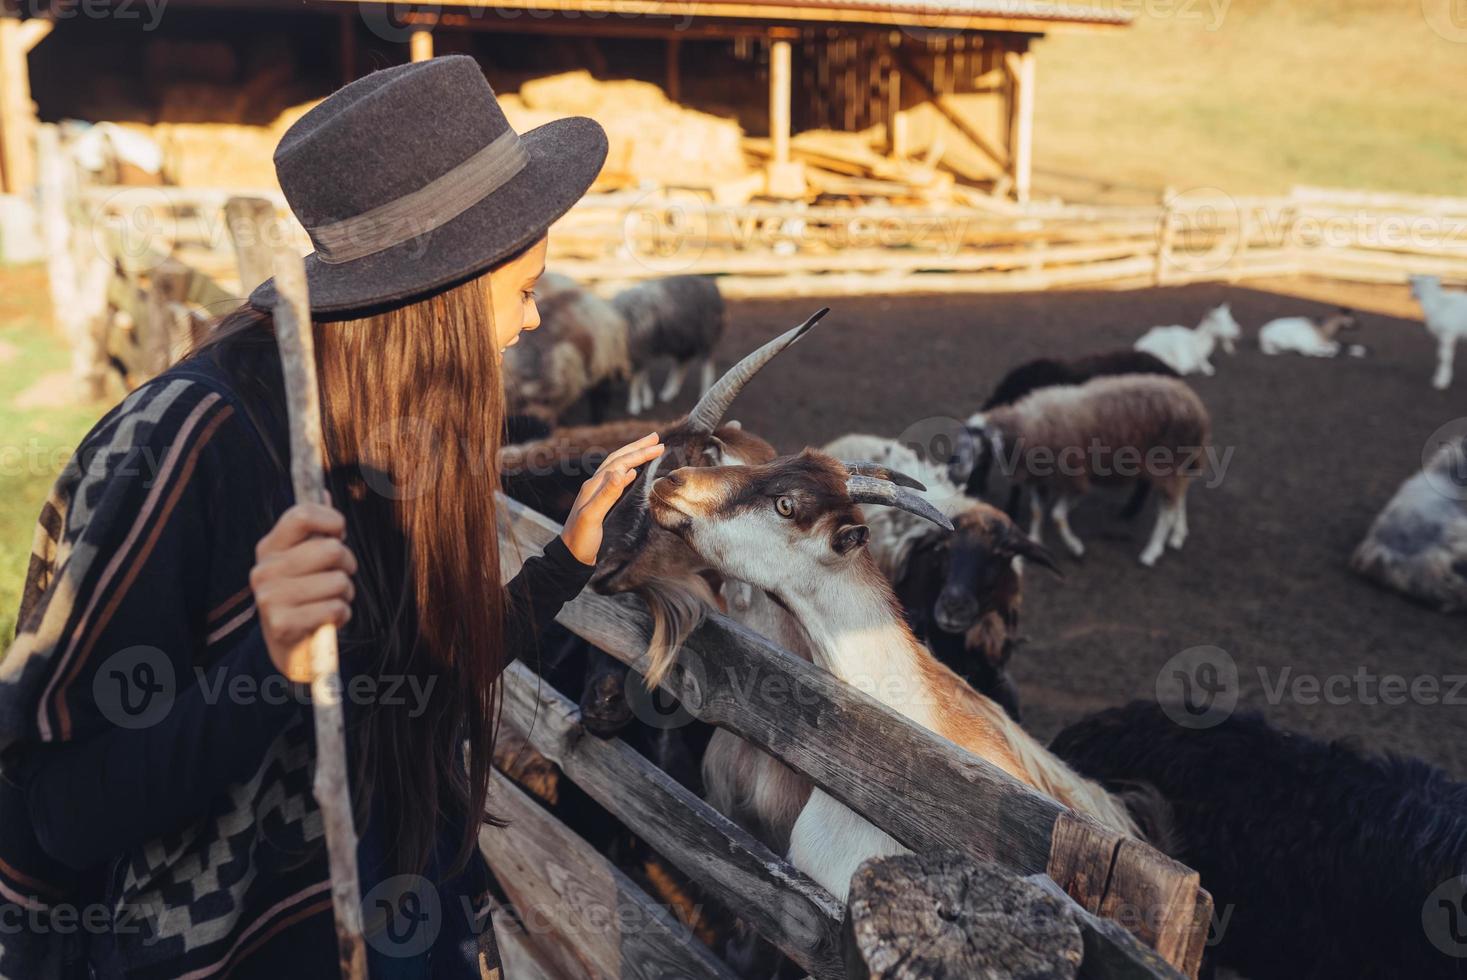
<point x="302" y="581"/>
<point x="582" y="533"/>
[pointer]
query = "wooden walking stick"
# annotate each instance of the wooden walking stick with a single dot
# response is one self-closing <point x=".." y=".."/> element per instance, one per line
<point x="307" y="475"/>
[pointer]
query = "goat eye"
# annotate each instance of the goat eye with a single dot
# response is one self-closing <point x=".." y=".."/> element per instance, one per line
<point x="785" y="506"/>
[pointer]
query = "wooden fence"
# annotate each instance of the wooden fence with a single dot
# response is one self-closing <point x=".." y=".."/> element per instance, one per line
<point x="923" y="790"/>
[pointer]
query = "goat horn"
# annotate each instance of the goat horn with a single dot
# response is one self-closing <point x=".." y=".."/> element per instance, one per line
<point x="864" y="468"/>
<point x="709" y="411"/>
<point x="869" y="490"/>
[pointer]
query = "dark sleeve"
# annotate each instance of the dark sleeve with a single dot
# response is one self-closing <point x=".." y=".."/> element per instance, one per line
<point x="534" y="596"/>
<point x="137" y="737"/>
<point x="151" y="780"/>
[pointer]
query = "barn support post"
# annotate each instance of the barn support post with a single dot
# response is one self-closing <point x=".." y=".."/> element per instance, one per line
<point x="898" y="137"/>
<point x="346" y="38"/>
<point x="674" y="69"/>
<point x="17" y="111"/>
<point x="420" y="43"/>
<point x="1020" y="63"/>
<point x="786" y="177"/>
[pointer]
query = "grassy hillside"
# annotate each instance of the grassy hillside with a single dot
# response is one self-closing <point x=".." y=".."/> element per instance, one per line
<point x="41" y="425"/>
<point x="1256" y="95"/>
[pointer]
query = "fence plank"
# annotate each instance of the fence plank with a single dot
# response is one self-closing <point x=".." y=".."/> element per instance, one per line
<point x="926" y="792"/>
<point x="250" y="220"/>
<point x="786" y="907"/>
<point x="556" y="880"/>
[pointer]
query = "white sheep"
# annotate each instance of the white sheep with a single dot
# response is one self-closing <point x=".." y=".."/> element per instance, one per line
<point x="1310" y="336"/>
<point x="1446" y="318"/>
<point x="1189" y="350"/>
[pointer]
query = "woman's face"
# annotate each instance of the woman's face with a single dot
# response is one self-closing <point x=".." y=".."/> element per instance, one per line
<point x="512" y="291"/>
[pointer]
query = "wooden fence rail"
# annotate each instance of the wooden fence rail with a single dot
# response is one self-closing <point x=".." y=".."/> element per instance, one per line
<point x="757" y="249"/>
<point x="923" y="790"/>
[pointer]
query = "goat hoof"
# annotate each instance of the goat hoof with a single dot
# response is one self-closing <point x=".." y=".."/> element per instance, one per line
<point x="1149" y="560"/>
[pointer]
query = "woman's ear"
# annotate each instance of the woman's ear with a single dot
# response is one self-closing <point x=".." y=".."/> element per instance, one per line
<point x="849" y="537"/>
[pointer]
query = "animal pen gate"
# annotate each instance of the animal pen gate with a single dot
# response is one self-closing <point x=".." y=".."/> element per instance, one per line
<point x="589" y="919"/>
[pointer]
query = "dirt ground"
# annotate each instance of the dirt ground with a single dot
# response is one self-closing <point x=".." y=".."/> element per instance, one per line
<point x="1318" y="447"/>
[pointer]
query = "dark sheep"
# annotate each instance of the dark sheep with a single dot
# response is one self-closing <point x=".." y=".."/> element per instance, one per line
<point x="1323" y="861"/>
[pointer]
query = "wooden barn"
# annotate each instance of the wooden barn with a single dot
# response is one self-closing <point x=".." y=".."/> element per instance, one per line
<point x="931" y="81"/>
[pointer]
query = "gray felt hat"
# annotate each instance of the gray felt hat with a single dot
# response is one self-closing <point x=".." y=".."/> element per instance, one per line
<point x="411" y="180"/>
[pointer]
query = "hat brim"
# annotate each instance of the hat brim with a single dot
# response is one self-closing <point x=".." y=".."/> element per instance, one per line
<point x="565" y="157"/>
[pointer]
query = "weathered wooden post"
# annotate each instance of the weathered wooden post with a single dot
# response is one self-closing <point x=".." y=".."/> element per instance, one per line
<point x="250" y="221"/>
<point x="307" y="474"/>
<point x="944" y="915"/>
<point x="166" y="327"/>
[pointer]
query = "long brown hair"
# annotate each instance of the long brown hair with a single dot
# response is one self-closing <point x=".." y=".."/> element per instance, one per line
<point x="413" y="413"/>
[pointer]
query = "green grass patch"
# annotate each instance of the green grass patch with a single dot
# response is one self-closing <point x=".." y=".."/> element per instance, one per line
<point x="39" y="434"/>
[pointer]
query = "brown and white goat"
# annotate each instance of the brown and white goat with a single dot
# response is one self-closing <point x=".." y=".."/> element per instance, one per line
<point x="1116" y="430"/>
<point x="792" y="527"/>
<point x="639" y="557"/>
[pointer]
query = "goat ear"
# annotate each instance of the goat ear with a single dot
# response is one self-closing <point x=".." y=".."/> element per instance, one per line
<point x="716" y="451"/>
<point x="849" y="537"/>
<point x="1017" y="544"/>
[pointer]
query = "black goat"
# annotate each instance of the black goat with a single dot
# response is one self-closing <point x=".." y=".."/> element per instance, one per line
<point x="1323" y="862"/>
<point x="1046" y="372"/>
<point x="961" y="596"/>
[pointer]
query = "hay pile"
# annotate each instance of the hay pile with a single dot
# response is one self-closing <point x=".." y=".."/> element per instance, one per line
<point x="653" y="140"/>
<point x="206" y="141"/>
<point x="218" y="154"/>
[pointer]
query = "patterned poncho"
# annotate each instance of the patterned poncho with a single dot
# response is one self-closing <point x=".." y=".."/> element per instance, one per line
<point x="139" y="673"/>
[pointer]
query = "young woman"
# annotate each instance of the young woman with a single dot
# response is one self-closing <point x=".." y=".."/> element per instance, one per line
<point x="156" y="817"/>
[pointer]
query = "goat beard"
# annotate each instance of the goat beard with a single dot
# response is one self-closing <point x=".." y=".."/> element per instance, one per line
<point x="678" y="607"/>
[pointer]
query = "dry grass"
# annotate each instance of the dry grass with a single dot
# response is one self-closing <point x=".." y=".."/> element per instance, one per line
<point x="1253" y="96"/>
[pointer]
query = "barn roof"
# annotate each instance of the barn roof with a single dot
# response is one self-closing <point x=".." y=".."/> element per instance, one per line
<point x="1028" y="16"/>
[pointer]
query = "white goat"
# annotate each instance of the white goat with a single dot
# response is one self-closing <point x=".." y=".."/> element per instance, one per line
<point x="1307" y="335"/>
<point x="679" y="317"/>
<point x="1446" y="318"/>
<point x="1123" y="429"/>
<point x="792" y="528"/>
<point x="1418" y="543"/>
<point x="1189" y="350"/>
